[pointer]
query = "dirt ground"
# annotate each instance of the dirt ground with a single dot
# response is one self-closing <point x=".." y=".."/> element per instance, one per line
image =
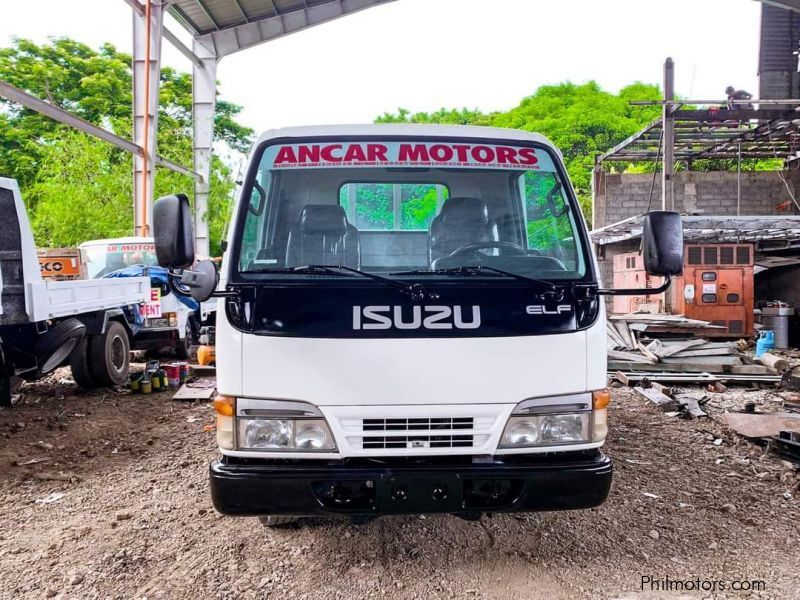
<point x="134" y="519"/>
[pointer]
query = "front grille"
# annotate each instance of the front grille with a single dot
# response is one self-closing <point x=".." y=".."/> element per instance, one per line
<point x="419" y="432"/>
<point x="736" y="326"/>
<point x="417" y="424"/>
<point x="695" y="255"/>
<point x="710" y="255"/>
<point x="417" y="441"/>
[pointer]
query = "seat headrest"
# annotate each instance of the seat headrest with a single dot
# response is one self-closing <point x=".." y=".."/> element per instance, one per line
<point x="461" y="209"/>
<point x="323" y="219"/>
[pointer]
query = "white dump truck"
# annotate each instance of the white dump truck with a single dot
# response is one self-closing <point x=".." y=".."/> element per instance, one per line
<point x="410" y="321"/>
<point x="44" y="324"/>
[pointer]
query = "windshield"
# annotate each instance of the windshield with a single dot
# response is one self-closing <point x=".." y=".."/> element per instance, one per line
<point x="102" y="259"/>
<point x="409" y="210"/>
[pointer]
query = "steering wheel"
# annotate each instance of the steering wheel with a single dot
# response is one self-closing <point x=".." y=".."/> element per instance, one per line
<point x="472" y="249"/>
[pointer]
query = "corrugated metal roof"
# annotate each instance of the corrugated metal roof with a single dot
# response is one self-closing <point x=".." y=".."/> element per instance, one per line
<point x="208" y="16"/>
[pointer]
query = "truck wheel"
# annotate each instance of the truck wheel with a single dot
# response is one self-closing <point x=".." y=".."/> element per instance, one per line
<point x="54" y="347"/>
<point x="184" y="348"/>
<point x="277" y="521"/>
<point x="79" y="363"/>
<point x="109" y="356"/>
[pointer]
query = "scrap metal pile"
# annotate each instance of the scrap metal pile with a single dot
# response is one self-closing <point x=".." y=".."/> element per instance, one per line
<point x="675" y="349"/>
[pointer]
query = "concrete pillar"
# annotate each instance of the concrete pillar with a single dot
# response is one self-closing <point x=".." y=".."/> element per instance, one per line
<point x="146" y="80"/>
<point x="204" y="102"/>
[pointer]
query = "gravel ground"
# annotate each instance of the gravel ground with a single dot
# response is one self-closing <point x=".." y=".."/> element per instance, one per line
<point x="135" y="519"/>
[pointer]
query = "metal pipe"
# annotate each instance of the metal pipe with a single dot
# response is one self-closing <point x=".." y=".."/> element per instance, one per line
<point x="145" y="157"/>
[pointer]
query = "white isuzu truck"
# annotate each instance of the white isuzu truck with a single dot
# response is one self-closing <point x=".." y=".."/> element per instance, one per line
<point x="410" y="321"/>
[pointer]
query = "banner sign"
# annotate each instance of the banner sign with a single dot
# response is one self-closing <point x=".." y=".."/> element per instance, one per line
<point x="445" y="155"/>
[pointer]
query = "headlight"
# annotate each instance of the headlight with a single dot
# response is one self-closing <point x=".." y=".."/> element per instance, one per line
<point x="563" y="428"/>
<point x="285" y="434"/>
<point x="266" y="433"/>
<point x="546" y="430"/>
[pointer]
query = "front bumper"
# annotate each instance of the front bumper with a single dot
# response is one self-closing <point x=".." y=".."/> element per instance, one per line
<point x="307" y="488"/>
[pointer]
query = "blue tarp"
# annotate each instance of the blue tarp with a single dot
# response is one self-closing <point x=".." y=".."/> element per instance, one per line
<point x="158" y="278"/>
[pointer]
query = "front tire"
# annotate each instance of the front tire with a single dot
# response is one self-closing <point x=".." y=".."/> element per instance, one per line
<point x="79" y="363"/>
<point x="277" y="521"/>
<point x="109" y="356"/>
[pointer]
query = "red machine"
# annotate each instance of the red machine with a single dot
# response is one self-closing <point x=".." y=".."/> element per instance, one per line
<point x="629" y="273"/>
<point x="717" y="285"/>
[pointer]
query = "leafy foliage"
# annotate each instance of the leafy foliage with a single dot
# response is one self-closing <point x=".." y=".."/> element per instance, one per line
<point x="79" y="188"/>
<point x="581" y="120"/>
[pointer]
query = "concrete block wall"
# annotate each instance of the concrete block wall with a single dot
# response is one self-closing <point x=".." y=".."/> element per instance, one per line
<point x="619" y="196"/>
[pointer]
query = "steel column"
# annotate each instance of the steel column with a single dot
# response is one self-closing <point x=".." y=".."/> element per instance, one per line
<point x="667" y="182"/>
<point x="146" y="78"/>
<point x="204" y="100"/>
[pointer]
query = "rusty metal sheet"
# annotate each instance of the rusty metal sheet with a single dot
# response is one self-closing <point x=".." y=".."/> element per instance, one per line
<point x="762" y="425"/>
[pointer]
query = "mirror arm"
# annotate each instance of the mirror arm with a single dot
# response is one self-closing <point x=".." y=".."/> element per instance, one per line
<point x="637" y="291"/>
<point x="176" y="282"/>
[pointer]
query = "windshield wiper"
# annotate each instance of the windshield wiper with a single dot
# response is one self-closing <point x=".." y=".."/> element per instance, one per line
<point x="415" y="290"/>
<point x="478" y="269"/>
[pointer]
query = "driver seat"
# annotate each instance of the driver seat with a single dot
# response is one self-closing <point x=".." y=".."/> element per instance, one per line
<point x="461" y="221"/>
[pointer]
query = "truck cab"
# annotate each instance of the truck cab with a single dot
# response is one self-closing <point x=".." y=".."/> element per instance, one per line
<point x="168" y="321"/>
<point x="412" y="322"/>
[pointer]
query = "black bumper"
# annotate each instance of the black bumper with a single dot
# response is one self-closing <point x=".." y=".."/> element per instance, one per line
<point x="307" y="489"/>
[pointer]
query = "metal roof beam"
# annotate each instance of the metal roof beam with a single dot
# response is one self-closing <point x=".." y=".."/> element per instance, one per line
<point x="208" y="14"/>
<point x="171" y="37"/>
<point x="785" y="4"/>
<point x="240" y="37"/>
<point x="9" y="92"/>
<point x="241" y="11"/>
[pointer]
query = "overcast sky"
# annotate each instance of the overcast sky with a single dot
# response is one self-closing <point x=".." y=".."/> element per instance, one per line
<point x="426" y="54"/>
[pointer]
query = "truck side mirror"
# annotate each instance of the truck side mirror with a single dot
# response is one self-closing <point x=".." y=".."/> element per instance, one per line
<point x="172" y="231"/>
<point x="662" y="243"/>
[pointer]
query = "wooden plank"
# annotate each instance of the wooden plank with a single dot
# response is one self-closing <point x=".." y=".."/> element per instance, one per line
<point x="643" y="349"/>
<point x="662" y="401"/>
<point x="774" y="362"/>
<point x="664" y="389"/>
<point x="752" y="370"/>
<point x="706" y="352"/>
<point x="626" y="335"/>
<point x="622" y="378"/>
<point x="703" y="360"/>
<point x="632" y="357"/>
<point x="679" y="378"/>
<point x="614" y="335"/>
<point x="755" y="425"/>
<point x="642" y="366"/>
<point x="200" y="389"/>
<point x="666" y="349"/>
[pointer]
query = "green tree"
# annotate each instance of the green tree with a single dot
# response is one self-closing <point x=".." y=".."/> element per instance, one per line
<point x="83" y="186"/>
<point x="581" y="120"/>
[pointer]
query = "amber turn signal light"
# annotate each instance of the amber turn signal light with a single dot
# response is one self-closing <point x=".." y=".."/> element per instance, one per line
<point x="223" y="405"/>
<point x="601" y="399"/>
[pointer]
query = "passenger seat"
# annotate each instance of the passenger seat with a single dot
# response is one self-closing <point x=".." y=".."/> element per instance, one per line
<point x="323" y="236"/>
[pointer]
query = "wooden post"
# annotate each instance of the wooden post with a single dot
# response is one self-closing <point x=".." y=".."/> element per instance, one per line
<point x="667" y="183"/>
